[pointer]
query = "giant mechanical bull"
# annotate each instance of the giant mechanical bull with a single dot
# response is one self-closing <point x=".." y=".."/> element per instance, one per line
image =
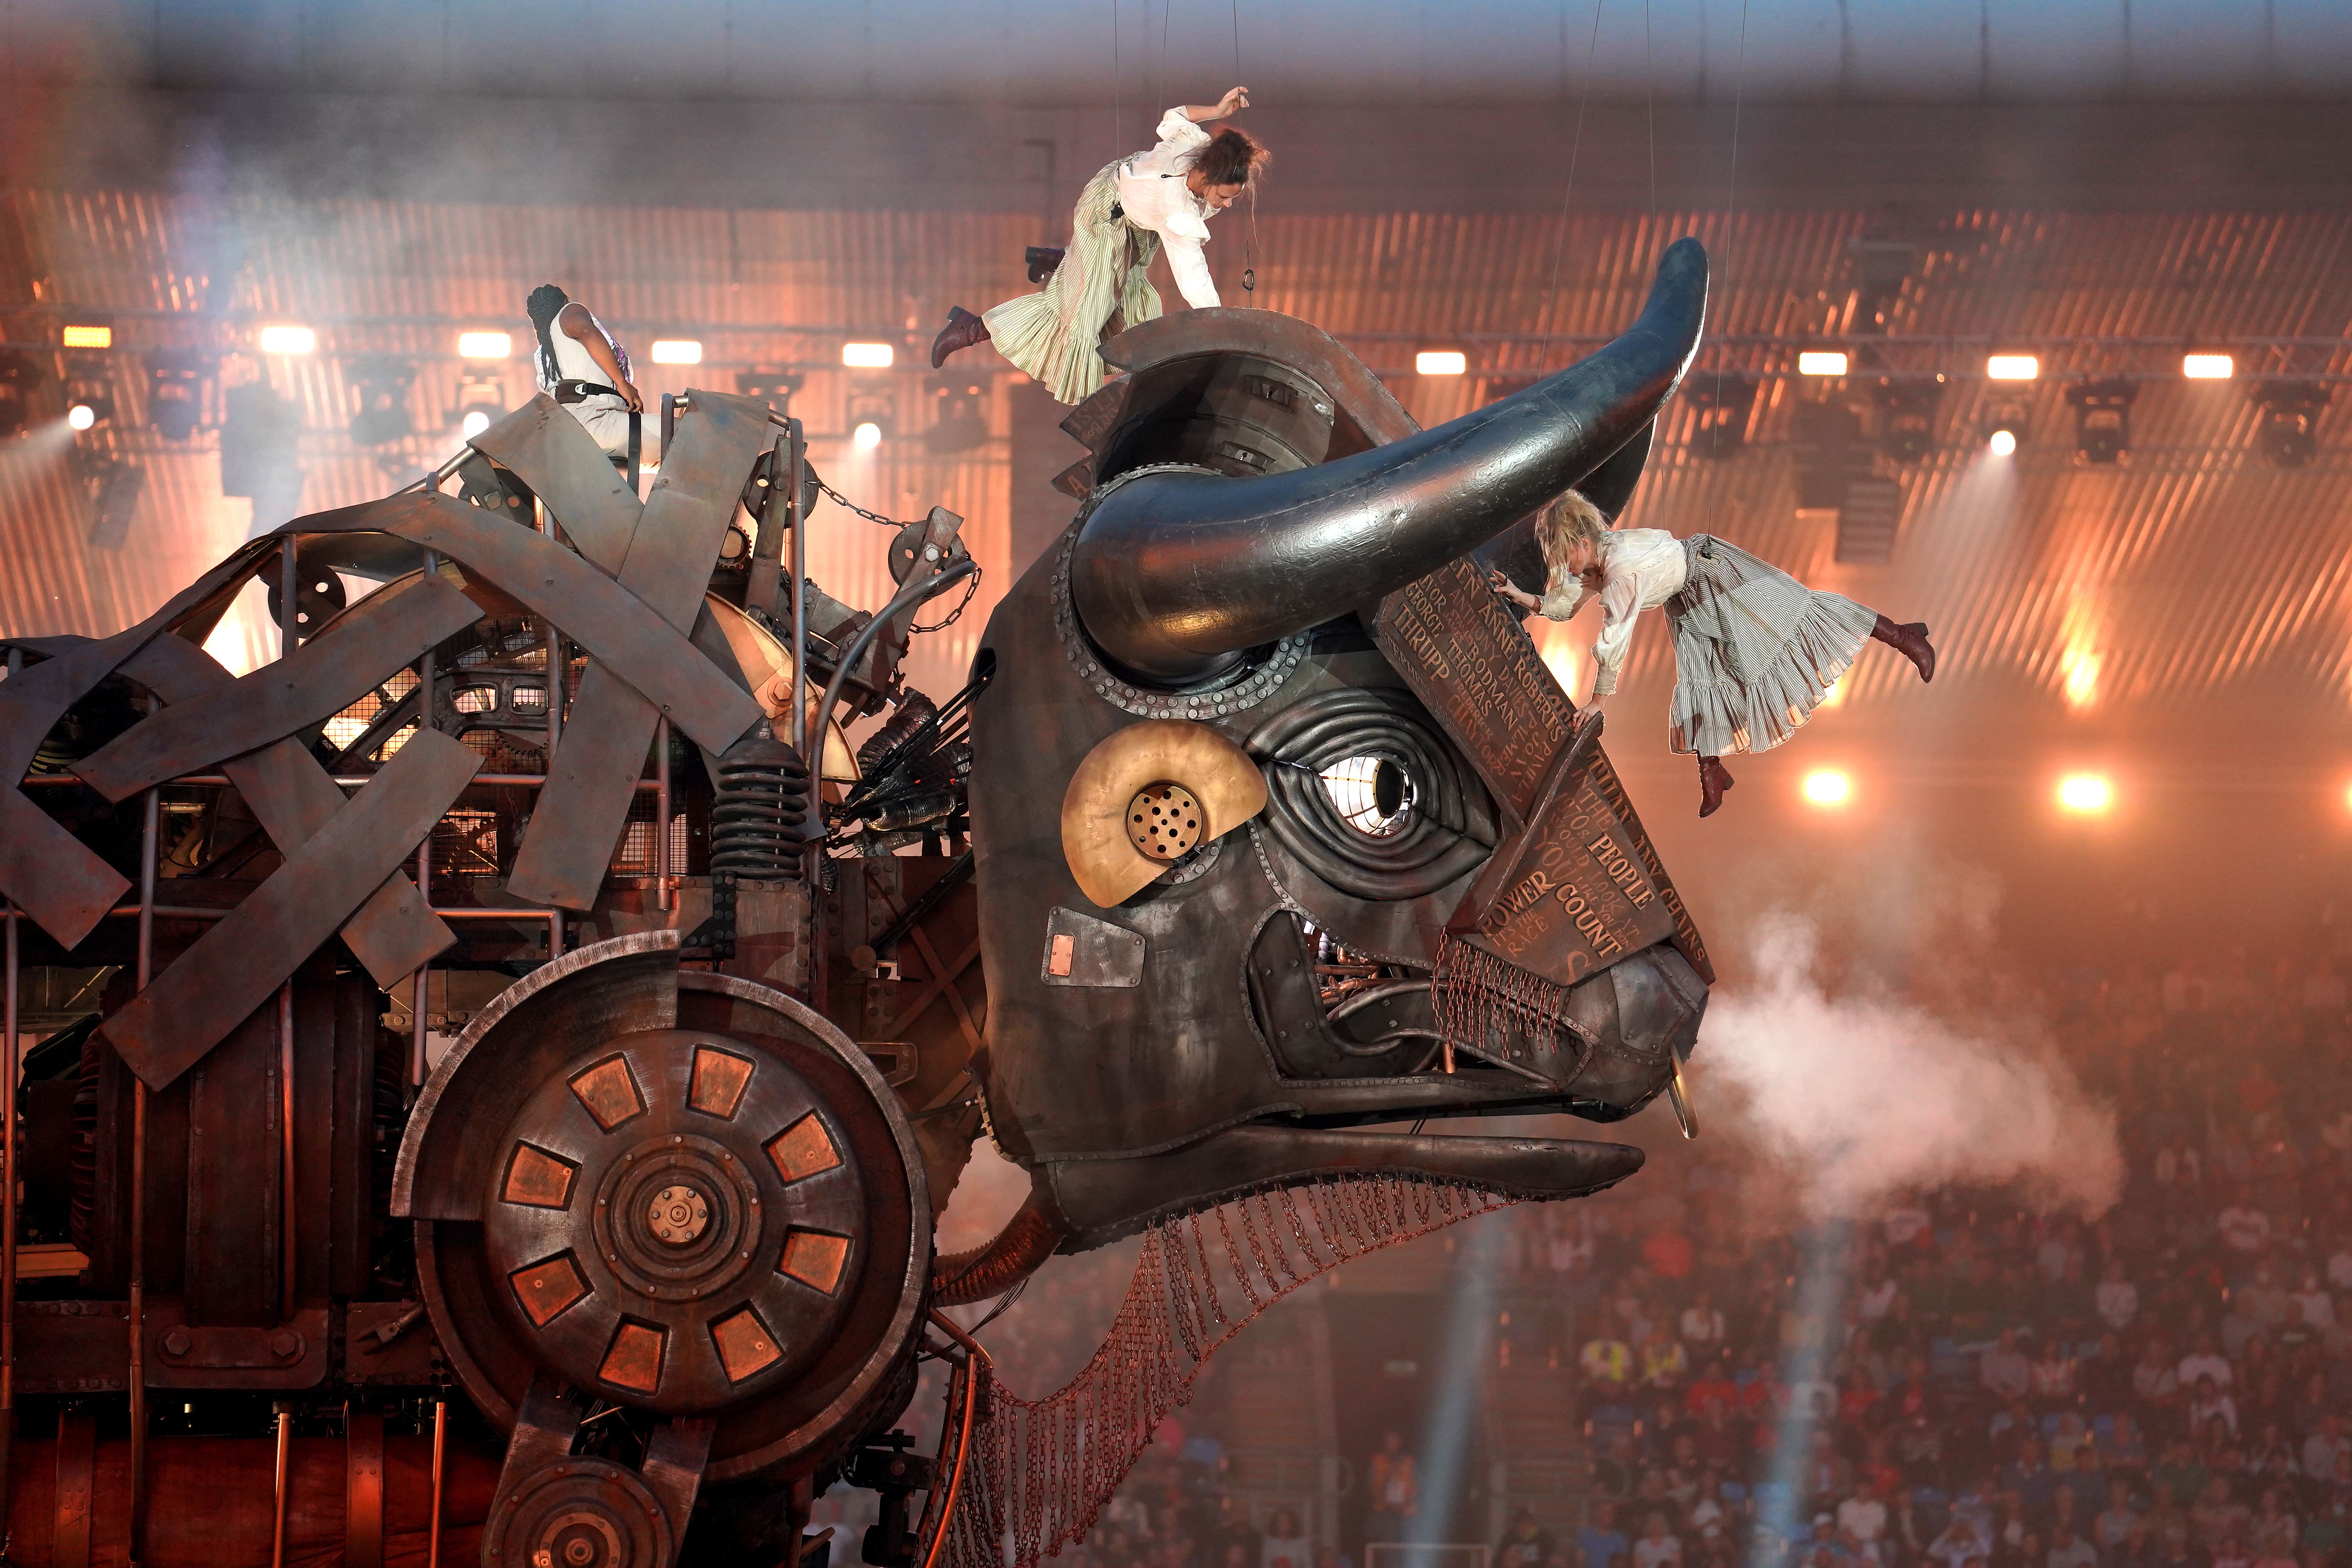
<point x="1278" y="830"/>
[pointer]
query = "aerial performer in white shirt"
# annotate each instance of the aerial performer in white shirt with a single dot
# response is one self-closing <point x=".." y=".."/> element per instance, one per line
<point x="1755" y="650"/>
<point x="1125" y="216"/>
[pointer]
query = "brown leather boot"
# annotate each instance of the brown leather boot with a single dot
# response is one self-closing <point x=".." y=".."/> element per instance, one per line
<point x="1911" y="642"/>
<point x="962" y="331"/>
<point x="1714" y="778"/>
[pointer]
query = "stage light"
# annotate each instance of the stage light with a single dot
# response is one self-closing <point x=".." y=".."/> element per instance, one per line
<point x="2012" y="367"/>
<point x="677" y="350"/>
<point x="1906" y="431"/>
<point x="2290" y="421"/>
<point x="90" y="391"/>
<point x="867" y="436"/>
<point x="481" y="398"/>
<point x="485" y="345"/>
<point x="773" y="387"/>
<point x="1821" y="361"/>
<point x="960" y="423"/>
<point x="2086" y="794"/>
<point x="86" y="338"/>
<point x="287" y="339"/>
<point x="868" y="356"/>
<point x="1440" y="362"/>
<point x="19" y="375"/>
<point x="2005" y="426"/>
<point x="1827" y="786"/>
<point x="174" y="392"/>
<point x="2207" y="367"/>
<point x="382" y="386"/>
<point x="2080" y="669"/>
<point x="2102" y="418"/>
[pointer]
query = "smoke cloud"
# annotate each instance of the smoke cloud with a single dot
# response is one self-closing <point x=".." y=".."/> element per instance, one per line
<point x="1859" y="1097"/>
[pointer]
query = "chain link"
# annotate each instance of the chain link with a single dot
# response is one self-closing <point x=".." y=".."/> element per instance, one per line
<point x="972" y="584"/>
<point x="868" y="516"/>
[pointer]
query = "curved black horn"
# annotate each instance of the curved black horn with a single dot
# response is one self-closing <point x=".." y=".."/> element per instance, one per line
<point x="1177" y="572"/>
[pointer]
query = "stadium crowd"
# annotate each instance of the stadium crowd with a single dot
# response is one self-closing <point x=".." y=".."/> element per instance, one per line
<point x="1954" y="1379"/>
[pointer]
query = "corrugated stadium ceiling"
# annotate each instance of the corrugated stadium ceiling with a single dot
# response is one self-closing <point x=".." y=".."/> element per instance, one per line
<point x="2196" y="562"/>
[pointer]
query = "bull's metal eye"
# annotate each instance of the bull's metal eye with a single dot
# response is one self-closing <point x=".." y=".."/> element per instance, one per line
<point x="1164" y="821"/>
<point x="1373" y="795"/>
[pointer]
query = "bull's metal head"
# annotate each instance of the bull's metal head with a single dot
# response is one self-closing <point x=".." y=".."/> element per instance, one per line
<point x="1271" y="600"/>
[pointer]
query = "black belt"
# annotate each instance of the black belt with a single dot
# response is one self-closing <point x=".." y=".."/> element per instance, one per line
<point x="581" y="391"/>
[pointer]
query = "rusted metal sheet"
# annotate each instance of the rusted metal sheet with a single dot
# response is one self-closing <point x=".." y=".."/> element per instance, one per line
<point x="232" y="968"/>
<point x="593" y="777"/>
<point x="1467" y="660"/>
<point x="233" y="1211"/>
<point x="314" y="683"/>
<point x="77" y="1474"/>
<point x="293" y="797"/>
<point x="549" y="451"/>
<point x="642" y="648"/>
<point x="50" y="875"/>
<point x="56" y="879"/>
<point x="1568" y="895"/>
<point x="584" y="806"/>
<point x="181" y="1354"/>
<point x="73" y="1347"/>
<point x="363" y="1492"/>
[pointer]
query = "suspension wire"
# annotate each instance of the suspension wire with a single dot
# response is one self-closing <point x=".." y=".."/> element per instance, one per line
<point x="1249" y="235"/>
<point x="1730" y="214"/>
<point x="1575" y="147"/>
<point x="1649" y="87"/>
<point x="1118" y="114"/>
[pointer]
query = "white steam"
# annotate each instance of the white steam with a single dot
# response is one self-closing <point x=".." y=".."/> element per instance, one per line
<point x="1859" y="1098"/>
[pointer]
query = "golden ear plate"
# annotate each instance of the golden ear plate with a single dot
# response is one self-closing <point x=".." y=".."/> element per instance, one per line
<point x="1148" y="795"/>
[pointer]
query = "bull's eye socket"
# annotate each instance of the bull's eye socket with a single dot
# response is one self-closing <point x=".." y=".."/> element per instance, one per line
<point x="1373" y="795"/>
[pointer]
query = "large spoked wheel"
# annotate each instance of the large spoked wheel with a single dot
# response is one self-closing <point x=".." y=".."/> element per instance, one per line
<point x="681" y="1191"/>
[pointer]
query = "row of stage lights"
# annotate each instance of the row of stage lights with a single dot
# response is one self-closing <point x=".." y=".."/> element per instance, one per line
<point x="1837" y="363"/>
<point x="173" y="376"/>
<point x="2075" y="794"/>
<point x="2291" y="410"/>
<point x="2102" y="405"/>
<point x="2078" y="795"/>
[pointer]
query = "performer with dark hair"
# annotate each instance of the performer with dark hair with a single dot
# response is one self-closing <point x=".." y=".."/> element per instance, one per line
<point x="583" y="367"/>
<point x="1126" y="213"/>
<point x="1755" y="650"/>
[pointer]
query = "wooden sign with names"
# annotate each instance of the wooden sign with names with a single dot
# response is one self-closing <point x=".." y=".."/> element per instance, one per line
<point x="1578" y="885"/>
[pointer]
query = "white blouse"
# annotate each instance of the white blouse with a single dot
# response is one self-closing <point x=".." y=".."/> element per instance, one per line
<point x="1641" y="569"/>
<point x="1152" y="191"/>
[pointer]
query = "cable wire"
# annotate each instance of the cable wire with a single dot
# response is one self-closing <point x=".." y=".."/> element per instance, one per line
<point x="1575" y="147"/>
<point x="1730" y="214"/>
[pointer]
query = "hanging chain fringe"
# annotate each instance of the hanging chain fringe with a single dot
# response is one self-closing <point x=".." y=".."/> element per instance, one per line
<point x="1040" y="1471"/>
<point x="1478" y="999"/>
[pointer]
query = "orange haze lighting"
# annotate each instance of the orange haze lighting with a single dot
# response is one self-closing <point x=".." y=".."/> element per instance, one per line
<point x="2085" y="794"/>
<point x="1827" y="786"/>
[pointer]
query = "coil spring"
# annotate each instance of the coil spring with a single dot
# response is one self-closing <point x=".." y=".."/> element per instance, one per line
<point x="758" y="809"/>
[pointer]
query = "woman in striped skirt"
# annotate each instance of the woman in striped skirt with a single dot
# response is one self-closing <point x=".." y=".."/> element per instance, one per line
<point x="1755" y="650"/>
<point x="1127" y="214"/>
